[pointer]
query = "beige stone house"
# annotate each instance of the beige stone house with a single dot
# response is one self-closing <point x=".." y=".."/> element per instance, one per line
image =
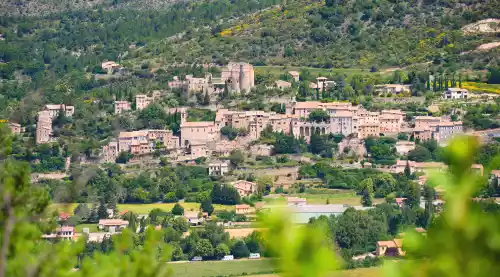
<point x="245" y="188"/>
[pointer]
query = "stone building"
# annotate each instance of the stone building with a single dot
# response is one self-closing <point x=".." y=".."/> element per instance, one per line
<point x="142" y="100"/>
<point x="145" y="141"/>
<point x="245" y="188"/>
<point x="44" y="121"/>
<point x="15" y="128"/>
<point x="121" y="106"/>
<point x="239" y="76"/>
<point x="204" y="131"/>
<point x="295" y="75"/>
<point x="218" y="168"/>
<point x="428" y="127"/>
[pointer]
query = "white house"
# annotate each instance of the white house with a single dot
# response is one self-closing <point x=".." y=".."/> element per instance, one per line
<point x="455" y="93"/>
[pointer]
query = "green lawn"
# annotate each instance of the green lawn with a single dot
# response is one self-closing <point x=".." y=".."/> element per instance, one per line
<point x="144" y="208"/>
<point x="92" y="227"/>
<point x="221" y="268"/>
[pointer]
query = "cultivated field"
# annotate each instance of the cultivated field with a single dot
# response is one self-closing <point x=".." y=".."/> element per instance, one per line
<point x="144" y="208"/>
<point x="221" y="268"/>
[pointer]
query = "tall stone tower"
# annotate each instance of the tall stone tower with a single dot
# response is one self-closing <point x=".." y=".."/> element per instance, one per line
<point x="240" y="76"/>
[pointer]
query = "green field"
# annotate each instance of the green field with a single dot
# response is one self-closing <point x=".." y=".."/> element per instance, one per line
<point x="144" y="208"/>
<point x="92" y="227"/>
<point x="255" y="268"/>
<point x="348" y="197"/>
<point x="221" y="268"/>
<point x="278" y="70"/>
<point x="359" y="272"/>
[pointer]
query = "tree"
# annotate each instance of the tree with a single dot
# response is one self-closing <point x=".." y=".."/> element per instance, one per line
<point x="102" y="211"/>
<point x="240" y="250"/>
<point x="407" y="170"/>
<point x="124" y="157"/>
<point x="177" y="209"/>
<point x="413" y="196"/>
<point x="180" y="224"/>
<point x="367" y="192"/>
<point x="82" y="211"/>
<point x="206" y="99"/>
<point x="419" y="154"/>
<point x="236" y="157"/>
<point x="318" y="116"/>
<point x="207" y="207"/>
<point x="203" y="248"/>
<point x="221" y="250"/>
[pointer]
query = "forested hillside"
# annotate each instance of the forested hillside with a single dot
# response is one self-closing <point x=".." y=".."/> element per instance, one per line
<point x="348" y="33"/>
<point x="54" y="58"/>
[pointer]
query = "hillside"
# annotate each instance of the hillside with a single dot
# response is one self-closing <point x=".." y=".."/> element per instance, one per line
<point x="46" y="7"/>
<point x="348" y="33"/>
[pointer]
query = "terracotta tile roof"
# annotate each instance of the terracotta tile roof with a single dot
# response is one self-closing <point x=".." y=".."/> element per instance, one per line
<point x="243" y="206"/>
<point x="308" y="105"/>
<point x="132" y="134"/>
<point x="112" y="222"/>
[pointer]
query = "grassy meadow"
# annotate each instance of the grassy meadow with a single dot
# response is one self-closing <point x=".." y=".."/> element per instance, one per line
<point x="254" y="268"/>
<point x="278" y="70"/>
<point x="221" y="268"/>
<point x="143" y="208"/>
<point x="359" y="272"/>
<point x="347" y="197"/>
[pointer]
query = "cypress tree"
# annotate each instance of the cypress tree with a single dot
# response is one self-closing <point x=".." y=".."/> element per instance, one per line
<point x="317" y="93"/>
<point x="460" y="80"/>
<point x="445" y="82"/>
<point x="429" y="81"/>
<point x="434" y="84"/>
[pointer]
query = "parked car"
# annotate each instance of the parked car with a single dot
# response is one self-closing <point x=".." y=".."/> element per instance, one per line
<point x="254" y="256"/>
<point x="197" y="259"/>
<point x="228" y="258"/>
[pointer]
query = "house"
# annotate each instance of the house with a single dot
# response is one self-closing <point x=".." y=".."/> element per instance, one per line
<point x="63" y="216"/>
<point x="296" y="201"/>
<point x="280" y="84"/>
<point x="243" y="209"/>
<point x="245" y="188"/>
<point x="478" y="168"/>
<point x="403" y="147"/>
<point x="193" y="217"/>
<point x="112" y="224"/>
<point x="400" y="201"/>
<point x="16" y="128"/>
<point x="218" y="168"/>
<point x="390" y="248"/>
<point x="109" y="66"/>
<point x="392" y="88"/>
<point x="121" y="106"/>
<point x="261" y="150"/>
<point x="63" y="233"/>
<point x="295" y="75"/>
<point x="455" y="93"/>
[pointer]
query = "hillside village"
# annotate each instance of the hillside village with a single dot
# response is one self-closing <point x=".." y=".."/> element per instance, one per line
<point x="213" y="145"/>
<point x="249" y="138"/>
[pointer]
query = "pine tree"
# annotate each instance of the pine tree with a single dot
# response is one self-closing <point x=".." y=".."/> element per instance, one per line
<point x="407" y="170"/>
<point x="102" y="211"/>
<point x="206" y="99"/>
<point x="367" y="192"/>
